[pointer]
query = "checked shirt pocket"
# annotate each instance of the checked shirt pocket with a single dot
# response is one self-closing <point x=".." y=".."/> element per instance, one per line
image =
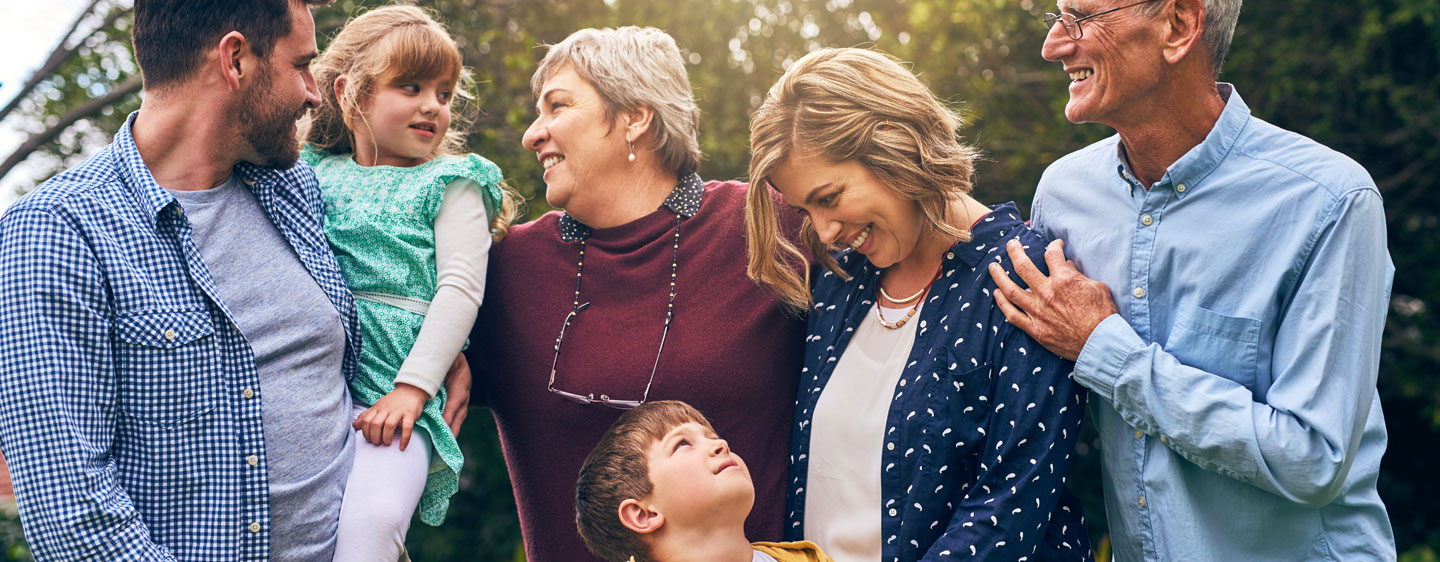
<point x="164" y="365"/>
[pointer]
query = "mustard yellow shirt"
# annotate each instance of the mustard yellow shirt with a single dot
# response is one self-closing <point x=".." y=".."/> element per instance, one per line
<point x="798" y="551"/>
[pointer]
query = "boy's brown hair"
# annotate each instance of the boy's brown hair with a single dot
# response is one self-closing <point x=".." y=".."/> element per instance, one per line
<point x="618" y="469"/>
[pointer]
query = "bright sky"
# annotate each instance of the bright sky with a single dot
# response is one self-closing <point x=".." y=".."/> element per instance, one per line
<point x="29" y="30"/>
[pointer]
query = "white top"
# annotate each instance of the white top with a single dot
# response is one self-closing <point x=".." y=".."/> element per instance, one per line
<point x="842" y="505"/>
<point x="462" y="250"/>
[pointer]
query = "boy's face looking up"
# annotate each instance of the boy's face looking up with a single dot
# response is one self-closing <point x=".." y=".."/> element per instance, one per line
<point x="696" y="478"/>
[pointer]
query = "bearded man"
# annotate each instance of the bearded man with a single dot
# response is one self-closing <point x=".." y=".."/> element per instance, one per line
<point x="175" y="335"/>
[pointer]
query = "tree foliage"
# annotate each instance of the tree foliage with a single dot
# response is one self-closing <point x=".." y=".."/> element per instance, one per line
<point x="1361" y="77"/>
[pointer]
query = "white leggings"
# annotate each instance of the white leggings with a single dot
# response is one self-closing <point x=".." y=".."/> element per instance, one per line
<point x="384" y="487"/>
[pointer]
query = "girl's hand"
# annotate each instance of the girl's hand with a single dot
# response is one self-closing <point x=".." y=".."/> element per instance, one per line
<point x="392" y="413"/>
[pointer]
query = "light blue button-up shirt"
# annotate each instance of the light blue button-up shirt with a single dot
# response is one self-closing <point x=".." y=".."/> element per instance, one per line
<point x="1235" y="390"/>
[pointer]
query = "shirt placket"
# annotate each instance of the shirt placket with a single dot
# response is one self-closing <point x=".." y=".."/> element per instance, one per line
<point x="1150" y="206"/>
<point x="243" y="380"/>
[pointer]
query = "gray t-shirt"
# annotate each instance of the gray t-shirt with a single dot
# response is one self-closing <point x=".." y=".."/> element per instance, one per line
<point x="299" y="345"/>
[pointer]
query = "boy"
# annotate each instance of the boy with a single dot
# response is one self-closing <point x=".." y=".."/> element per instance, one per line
<point x="661" y="486"/>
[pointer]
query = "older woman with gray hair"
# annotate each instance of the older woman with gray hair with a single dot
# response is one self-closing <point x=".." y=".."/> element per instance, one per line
<point x="636" y="290"/>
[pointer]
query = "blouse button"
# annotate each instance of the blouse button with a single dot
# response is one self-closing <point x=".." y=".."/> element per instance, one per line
<point x="893" y="512"/>
<point x="890" y="446"/>
<point x="902" y="382"/>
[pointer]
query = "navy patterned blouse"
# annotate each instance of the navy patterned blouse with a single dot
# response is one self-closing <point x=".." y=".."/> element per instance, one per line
<point x="982" y="424"/>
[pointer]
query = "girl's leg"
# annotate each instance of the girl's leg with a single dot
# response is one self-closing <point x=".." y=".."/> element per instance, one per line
<point x="380" y="496"/>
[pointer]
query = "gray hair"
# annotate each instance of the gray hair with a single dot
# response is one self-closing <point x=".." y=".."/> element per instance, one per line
<point x="1218" y="30"/>
<point x="633" y="67"/>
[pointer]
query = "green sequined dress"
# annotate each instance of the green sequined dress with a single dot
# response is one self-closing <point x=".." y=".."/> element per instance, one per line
<point x="380" y="220"/>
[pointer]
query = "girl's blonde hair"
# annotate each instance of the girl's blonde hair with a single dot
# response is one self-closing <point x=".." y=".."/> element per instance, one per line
<point x="850" y="105"/>
<point x="385" y="45"/>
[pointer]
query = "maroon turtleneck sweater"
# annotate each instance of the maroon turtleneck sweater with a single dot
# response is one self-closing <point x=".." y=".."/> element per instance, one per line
<point x="730" y="352"/>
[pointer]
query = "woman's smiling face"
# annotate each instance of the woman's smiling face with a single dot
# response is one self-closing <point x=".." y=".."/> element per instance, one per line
<point x="579" y="146"/>
<point x="850" y="207"/>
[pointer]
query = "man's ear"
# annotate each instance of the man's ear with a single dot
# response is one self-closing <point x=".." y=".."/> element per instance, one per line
<point x="1183" y="24"/>
<point x="640" y="519"/>
<point x="235" y="59"/>
<point x="637" y="121"/>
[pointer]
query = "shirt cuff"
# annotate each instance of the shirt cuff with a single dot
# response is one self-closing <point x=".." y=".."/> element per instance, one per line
<point x="1105" y="354"/>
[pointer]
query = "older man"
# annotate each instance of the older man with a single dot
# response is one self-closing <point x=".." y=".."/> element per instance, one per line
<point x="175" y="335"/>
<point x="1235" y="352"/>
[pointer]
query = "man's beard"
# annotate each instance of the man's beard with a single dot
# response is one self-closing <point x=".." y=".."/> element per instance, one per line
<point x="268" y="126"/>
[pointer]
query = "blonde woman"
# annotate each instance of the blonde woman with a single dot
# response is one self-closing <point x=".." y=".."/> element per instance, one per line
<point x="926" y="427"/>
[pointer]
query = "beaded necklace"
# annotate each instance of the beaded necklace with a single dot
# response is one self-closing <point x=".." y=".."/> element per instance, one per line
<point x="916" y="297"/>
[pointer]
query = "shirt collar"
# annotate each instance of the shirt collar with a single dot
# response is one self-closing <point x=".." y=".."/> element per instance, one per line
<point x="135" y="174"/>
<point x="1191" y="169"/>
<point x="983" y="237"/>
<point x="684" y="200"/>
<point x="155" y="198"/>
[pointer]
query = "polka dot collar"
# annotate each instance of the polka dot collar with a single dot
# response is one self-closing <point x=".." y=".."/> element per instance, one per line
<point x="684" y="200"/>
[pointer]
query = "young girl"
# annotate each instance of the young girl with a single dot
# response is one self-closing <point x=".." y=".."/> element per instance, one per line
<point x="407" y="218"/>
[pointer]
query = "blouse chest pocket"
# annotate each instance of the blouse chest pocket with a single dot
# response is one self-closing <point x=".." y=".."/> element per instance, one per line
<point x="966" y="385"/>
<point x="1222" y="345"/>
<point x="164" y="366"/>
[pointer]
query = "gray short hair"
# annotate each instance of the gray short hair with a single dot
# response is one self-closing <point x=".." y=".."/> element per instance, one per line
<point x="1218" y="30"/>
<point x="633" y="67"/>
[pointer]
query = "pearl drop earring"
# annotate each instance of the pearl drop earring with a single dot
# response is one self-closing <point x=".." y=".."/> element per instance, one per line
<point x="632" y="150"/>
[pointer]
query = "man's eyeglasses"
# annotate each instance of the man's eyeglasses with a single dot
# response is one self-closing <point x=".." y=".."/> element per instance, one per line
<point x="1072" y="23"/>
<point x="603" y="399"/>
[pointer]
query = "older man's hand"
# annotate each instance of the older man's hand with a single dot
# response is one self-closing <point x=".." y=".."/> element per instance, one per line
<point x="1059" y="311"/>
<point x="457" y="394"/>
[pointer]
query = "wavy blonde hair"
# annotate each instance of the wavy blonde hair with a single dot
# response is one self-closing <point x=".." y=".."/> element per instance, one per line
<point x="850" y="105"/>
<point x="382" y="46"/>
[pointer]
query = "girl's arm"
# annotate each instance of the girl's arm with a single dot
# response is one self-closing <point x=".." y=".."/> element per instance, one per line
<point x="462" y="249"/>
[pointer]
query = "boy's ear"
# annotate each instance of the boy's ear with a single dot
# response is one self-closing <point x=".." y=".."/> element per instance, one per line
<point x="640" y="519"/>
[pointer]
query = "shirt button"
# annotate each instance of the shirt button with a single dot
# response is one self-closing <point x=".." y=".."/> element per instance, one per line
<point x="170" y="335"/>
<point x="902" y="382"/>
<point x="1139" y="292"/>
<point x="890" y="446"/>
<point x="1147" y="220"/>
<point x="252" y="460"/>
<point x="893" y="512"/>
<point x="1180" y="188"/>
<point x="949" y="255"/>
<point x="248" y="393"/>
<point x="1138" y="434"/>
<point x="1142" y="501"/>
<point x="255" y="527"/>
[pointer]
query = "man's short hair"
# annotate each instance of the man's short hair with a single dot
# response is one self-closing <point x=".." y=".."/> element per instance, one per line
<point x="1217" y="30"/>
<point x="618" y="469"/>
<point x="171" y="37"/>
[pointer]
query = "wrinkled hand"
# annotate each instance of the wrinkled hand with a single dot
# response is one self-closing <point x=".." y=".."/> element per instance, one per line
<point x="457" y="394"/>
<point x="1059" y="311"/>
<point x="392" y="413"/>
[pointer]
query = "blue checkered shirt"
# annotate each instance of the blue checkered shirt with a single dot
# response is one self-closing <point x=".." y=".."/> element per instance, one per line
<point x="131" y="412"/>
